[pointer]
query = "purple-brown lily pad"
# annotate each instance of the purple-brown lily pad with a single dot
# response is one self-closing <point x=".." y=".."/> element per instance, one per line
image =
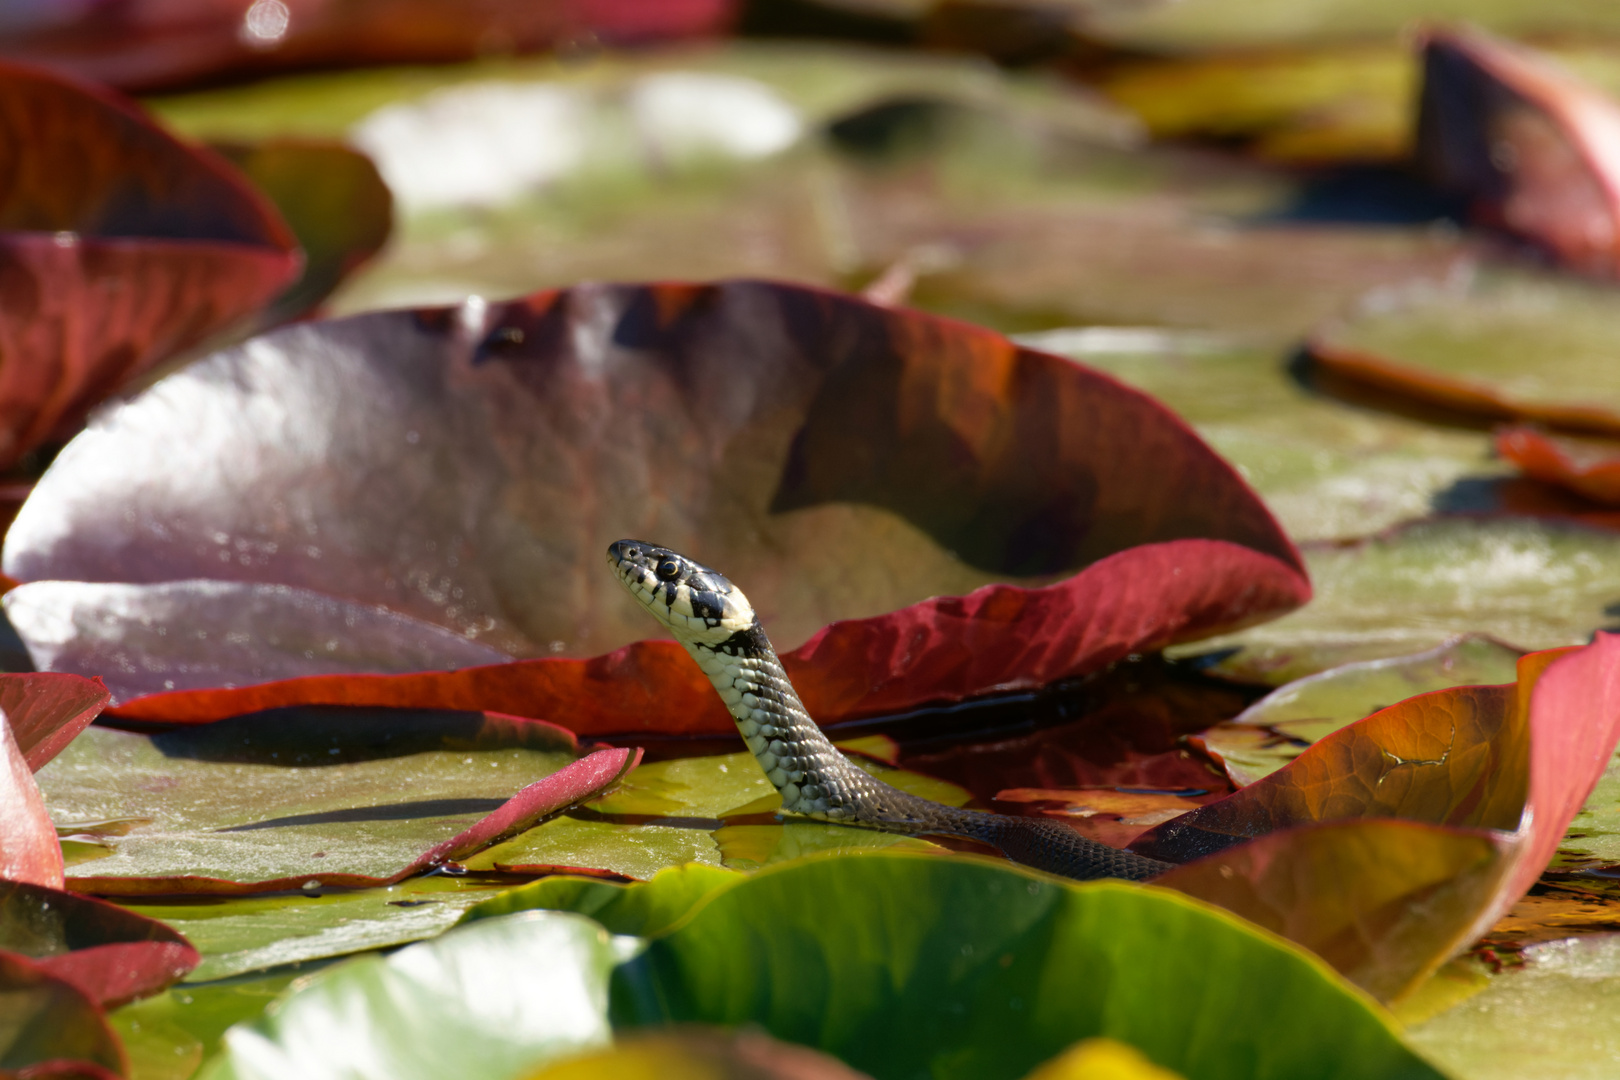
<point x="28" y="848"/>
<point x="110" y="953"/>
<point x="119" y="246"/>
<point x="50" y="1028"/>
<point x="466" y="467"/>
<point x="1492" y="774"/>
<point x="46" y="710"/>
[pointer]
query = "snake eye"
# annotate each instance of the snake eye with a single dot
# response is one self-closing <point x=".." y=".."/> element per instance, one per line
<point x="668" y="569"/>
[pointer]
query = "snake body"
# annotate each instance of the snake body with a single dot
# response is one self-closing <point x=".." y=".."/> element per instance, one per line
<point x="716" y="624"/>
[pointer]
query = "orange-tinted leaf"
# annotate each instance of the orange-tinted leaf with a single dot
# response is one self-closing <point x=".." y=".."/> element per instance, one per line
<point x="28" y="848"/>
<point x="110" y="953"/>
<point x="46" y="710"/>
<point x="1588" y="466"/>
<point x="836" y="459"/>
<point x="1518" y="760"/>
<point x="119" y="247"/>
<point x="147" y="43"/>
<point x="336" y="203"/>
<point x="1536" y="148"/>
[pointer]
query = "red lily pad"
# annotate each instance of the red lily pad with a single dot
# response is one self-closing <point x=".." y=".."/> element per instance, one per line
<point x="143" y="44"/>
<point x="28" y="849"/>
<point x="149" y="247"/>
<point x="110" y="953"/>
<point x="1533" y="146"/>
<point x="46" y="710"/>
<point x="1492" y="767"/>
<point x="48" y="1027"/>
<point x="335" y="202"/>
<point x="1590" y="467"/>
<point x="837" y="459"/>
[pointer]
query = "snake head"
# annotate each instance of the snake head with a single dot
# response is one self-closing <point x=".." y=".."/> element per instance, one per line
<point x="690" y="600"/>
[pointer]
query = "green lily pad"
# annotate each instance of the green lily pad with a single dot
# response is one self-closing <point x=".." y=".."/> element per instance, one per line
<point x="1273" y="731"/>
<point x="1532" y="584"/>
<point x="265" y="797"/>
<point x="1594" y="835"/>
<point x="644" y="908"/>
<point x="902" y="965"/>
<point x="1551" y="1017"/>
<point x="251" y="933"/>
<point x="699" y="1054"/>
<point x="170" y="1035"/>
<point x="494" y="999"/>
<point x="1326" y="469"/>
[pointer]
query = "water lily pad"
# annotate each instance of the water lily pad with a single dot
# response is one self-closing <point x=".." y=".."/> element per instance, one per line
<point x="295" y="800"/>
<point x="46" y="711"/>
<point x="169" y="1035"/>
<point x="1508" y="766"/>
<point x="1464" y="346"/>
<point x="154" y="247"/>
<point x="699" y="1054"/>
<point x="468" y="539"/>
<point x="1101" y="1059"/>
<point x="28" y="851"/>
<point x="1329" y="470"/>
<point x="48" y="1020"/>
<point x="1590" y="467"/>
<point x="643" y="909"/>
<point x="1532" y="584"/>
<point x="1016" y="967"/>
<point x="419" y="1014"/>
<point x="110" y="954"/>
<point x="1526" y="141"/>
<point x="1550" y="1016"/>
<point x="1274" y="730"/>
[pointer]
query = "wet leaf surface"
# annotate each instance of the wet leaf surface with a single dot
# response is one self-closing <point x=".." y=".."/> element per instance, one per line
<point x="995" y="948"/>
<point x="1530" y="584"/>
<point x="1551" y="1015"/>
<point x="1274" y="730"/>
<point x="47" y="1019"/>
<point x="544" y="977"/>
<point x="1461" y="347"/>
<point x="111" y="955"/>
<point x="334" y="796"/>
<point x="153" y="247"/>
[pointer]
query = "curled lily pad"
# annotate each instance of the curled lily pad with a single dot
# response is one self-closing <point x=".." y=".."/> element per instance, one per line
<point x="47" y="710"/>
<point x="1503" y="767"/>
<point x="837" y="459"/>
<point x="152" y="248"/>
<point x="644" y="909"/>
<point x="1461" y="347"/>
<point x="304" y="799"/>
<point x="111" y="954"/>
<point x="28" y="849"/>
<point x="958" y="968"/>
<point x="1588" y="466"/>
<point x="1274" y="730"/>
<point x="1527" y="141"/>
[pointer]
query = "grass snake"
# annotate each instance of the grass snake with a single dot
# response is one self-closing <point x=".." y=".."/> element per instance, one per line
<point x="716" y="624"/>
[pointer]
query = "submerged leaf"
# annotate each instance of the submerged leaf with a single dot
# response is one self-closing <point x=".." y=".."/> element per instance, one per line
<point x="151" y="247"/>
<point x="958" y="968"/>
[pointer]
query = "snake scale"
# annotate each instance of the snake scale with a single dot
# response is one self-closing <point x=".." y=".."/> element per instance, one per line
<point x="716" y="624"/>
